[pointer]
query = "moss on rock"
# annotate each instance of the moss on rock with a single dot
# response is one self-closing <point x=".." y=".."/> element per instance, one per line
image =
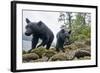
<point x="58" y="57"/>
<point x="39" y="51"/>
<point x="70" y="47"/>
<point x="80" y="45"/>
<point x="30" y="56"/>
<point x="49" y="53"/>
<point x="70" y="54"/>
<point x="87" y="42"/>
<point x="24" y="52"/>
<point x="43" y="59"/>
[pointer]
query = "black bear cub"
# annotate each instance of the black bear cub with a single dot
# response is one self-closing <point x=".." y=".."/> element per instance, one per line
<point x="62" y="36"/>
<point x="39" y="31"/>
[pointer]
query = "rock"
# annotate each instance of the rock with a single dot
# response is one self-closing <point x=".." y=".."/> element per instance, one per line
<point x="82" y="53"/>
<point x="70" y="54"/>
<point x="39" y="51"/>
<point x="75" y="46"/>
<point x="75" y="58"/>
<point x="88" y="42"/>
<point x="87" y="57"/>
<point x="80" y="45"/>
<point x="30" y="56"/>
<point x="54" y="49"/>
<point x="70" y="47"/>
<point x="86" y="49"/>
<point x="24" y="52"/>
<point x="58" y="57"/>
<point x="49" y="53"/>
<point x="43" y="59"/>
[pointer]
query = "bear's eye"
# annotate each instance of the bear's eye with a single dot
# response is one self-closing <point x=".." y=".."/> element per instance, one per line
<point x="27" y="27"/>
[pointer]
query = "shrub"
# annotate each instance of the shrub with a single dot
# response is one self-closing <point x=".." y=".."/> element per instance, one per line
<point x="80" y="32"/>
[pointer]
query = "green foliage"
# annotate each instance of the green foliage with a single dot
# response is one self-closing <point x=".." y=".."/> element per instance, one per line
<point x="80" y="31"/>
<point x="79" y="19"/>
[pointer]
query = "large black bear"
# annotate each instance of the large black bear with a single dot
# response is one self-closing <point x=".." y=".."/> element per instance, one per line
<point x="39" y="31"/>
<point x="62" y="36"/>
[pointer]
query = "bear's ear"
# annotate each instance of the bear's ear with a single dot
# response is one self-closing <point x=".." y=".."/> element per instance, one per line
<point x="69" y="31"/>
<point x="63" y="31"/>
<point x="27" y="20"/>
<point x="39" y="23"/>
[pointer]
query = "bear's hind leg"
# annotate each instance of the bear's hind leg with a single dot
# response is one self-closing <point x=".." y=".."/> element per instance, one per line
<point x="48" y="46"/>
<point x="49" y="43"/>
<point x="42" y="44"/>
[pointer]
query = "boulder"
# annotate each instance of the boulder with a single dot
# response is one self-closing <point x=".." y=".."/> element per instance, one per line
<point x="49" y="53"/>
<point x="54" y="49"/>
<point x="70" y="54"/>
<point x="24" y="52"/>
<point x="39" y="51"/>
<point x="87" y="42"/>
<point x="80" y="45"/>
<point x="70" y="47"/>
<point x="30" y="56"/>
<point x="82" y="53"/>
<point x="43" y="59"/>
<point x="58" y="57"/>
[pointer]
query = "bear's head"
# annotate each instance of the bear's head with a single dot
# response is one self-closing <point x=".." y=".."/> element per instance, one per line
<point x="32" y="27"/>
<point x="66" y="34"/>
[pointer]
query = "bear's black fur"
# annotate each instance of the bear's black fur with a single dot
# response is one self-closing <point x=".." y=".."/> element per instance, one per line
<point x="39" y="31"/>
<point x="62" y="36"/>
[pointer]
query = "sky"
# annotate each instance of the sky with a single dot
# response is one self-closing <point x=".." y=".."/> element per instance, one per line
<point x="49" y="18"/>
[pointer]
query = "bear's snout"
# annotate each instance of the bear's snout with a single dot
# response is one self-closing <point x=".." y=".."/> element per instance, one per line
<point x="27" y="34"/>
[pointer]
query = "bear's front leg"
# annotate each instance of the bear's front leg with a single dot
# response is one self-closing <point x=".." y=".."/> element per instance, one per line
<point x="34" y="43"/>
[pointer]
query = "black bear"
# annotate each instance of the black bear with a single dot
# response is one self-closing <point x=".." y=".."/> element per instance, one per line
<point x="39" y="31"/>
<point x="62" y="36"/>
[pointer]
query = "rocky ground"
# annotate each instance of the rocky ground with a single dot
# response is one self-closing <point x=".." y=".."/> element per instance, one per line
<point x="75" y="51"/>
